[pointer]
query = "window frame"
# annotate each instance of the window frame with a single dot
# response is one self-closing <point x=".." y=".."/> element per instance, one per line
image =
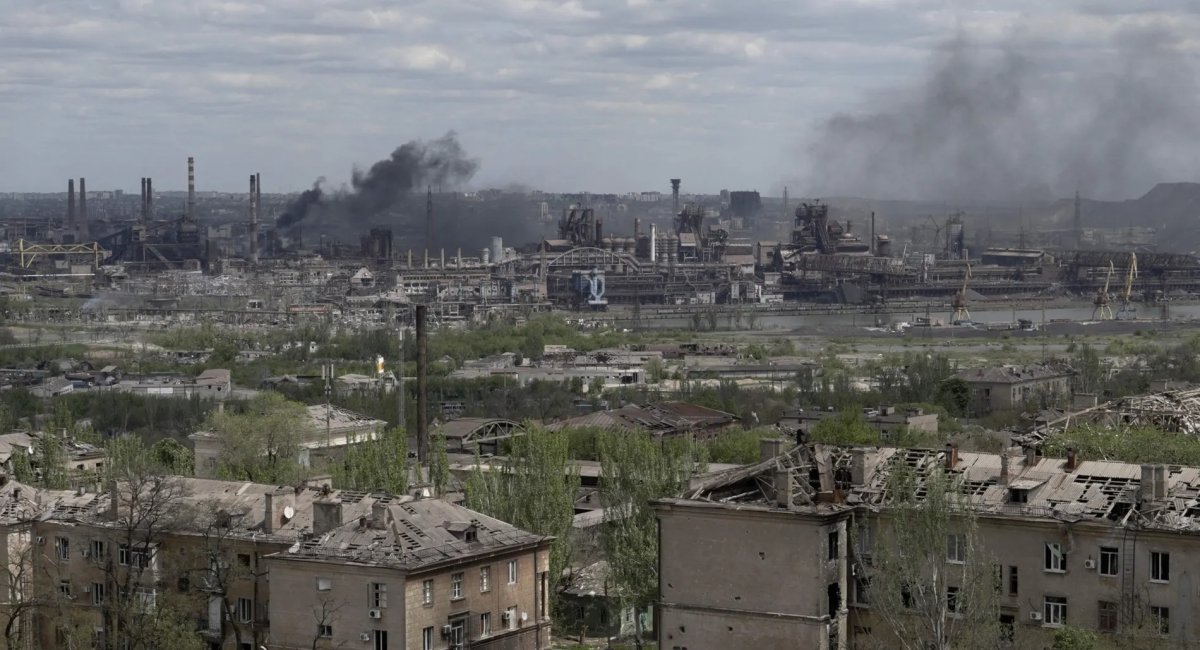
<point x="1014" y="580"/>
<point x="324" y="631"/>
<point x="456" y="586"/>
<point x="1160" y="567"/>
<point x="62" y="548"/>
<point x="485" y="579"/>
<point x="427" y="592"/>
<point x="1160" y="616"/>
<point x="427" y="638"/>
<point x="485" y="624"/>
<point x="954" y="599"/>
<point x="1110" y="558"/>
<point x="245" y="610"/>
<point x="956" y="548"/>
<point x="1057" y="604"/>
<point x="1108" y="616"/>
<point x="835" y="543"/>
<point x="512" y="617"/>
<point x="98" y="594"/>
<point x="1054" y="559"/>
<point x="513" y="572"/>
<point x="377" y="595"/>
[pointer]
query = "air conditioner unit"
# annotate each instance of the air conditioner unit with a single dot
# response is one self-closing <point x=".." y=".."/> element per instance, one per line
<point x="1035" y="616"/>
<point x="524" y="617"/>
<point x="505" y="617"/>
<point x="445" y="631"/>
<point x="87" y="589"/>
<point x="375" y="613"/>
<point x="87" y="552"/>
<point x="1089" y="564"/>
<point x="41" y="541"/>
<point x="364" y="637"/>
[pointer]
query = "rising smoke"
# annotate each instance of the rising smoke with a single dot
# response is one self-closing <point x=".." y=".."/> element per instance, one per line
<point x="391" y="194"/>
<point x="1005" y="123"/>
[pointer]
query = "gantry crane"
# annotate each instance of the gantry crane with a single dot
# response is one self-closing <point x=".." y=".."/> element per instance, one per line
<point x="961" y="314"/>
<point x="1103" y="310"/>
<point x="1127" y="311"/>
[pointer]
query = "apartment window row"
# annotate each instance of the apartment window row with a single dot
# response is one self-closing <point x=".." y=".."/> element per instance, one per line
<point x="1054" y="612"/>
<point x="458" y="582"/>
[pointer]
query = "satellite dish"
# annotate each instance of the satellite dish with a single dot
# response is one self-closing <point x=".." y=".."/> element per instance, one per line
<point x="288" y="513"/>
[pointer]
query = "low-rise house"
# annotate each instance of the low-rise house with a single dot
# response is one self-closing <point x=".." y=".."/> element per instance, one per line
<point x="329" y="430"/>
<point x="666" y="419"/>
<point x="762" y="556"/>
<point x="418" y="574"/>
<point x="887" y="420"/>
<point x="1012" y="388"/>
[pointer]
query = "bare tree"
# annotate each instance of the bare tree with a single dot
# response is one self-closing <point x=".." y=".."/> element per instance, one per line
<point x="922" y="568"/>
<point x="326" y="615"/>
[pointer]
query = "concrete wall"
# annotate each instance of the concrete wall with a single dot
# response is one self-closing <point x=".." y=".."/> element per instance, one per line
<point x="298" y="606"/>
<point x="720" y="580"/>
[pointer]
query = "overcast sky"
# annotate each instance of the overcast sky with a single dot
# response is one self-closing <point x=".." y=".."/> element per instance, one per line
<point x="599" y="95"/>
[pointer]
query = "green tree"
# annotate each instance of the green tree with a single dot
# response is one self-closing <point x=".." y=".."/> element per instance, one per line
<point x="174" y="457"/>
<point x="262" y="443"/>
<point x="379" y="464"/>
<point x="1073" y="638"/>
<point x="923" y="567"/>
<point x="533" y="488"/>
<point x="439" y="463"/>
<point x="52" y="461"/>
<point x="954" y="395"/>
<point x="637" y="469"/>
<point x="845" y="428"/>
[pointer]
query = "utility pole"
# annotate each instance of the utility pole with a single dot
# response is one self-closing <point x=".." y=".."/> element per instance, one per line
<point x="327" y="375"/>
<point x="403" y="423"/>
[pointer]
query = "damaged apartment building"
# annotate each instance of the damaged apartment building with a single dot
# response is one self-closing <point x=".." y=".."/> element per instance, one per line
<point x="763" y="556"/>
<point x="265" y="566"/>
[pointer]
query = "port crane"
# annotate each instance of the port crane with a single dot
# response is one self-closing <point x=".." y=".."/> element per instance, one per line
<point x="1127" y="311"/>
<point x="961" y="313"/>
<point x="1102" y="309"/>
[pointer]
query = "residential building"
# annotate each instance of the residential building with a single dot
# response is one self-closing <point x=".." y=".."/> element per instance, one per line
<point x="887" y="420"/>
<point x="330" y="429"/>
<point x="256" y="562"/>
<point x="666" y="419"/>
<point x="758" y="556"/>
<point x="417" y="574"/>
<point x="1012" y="388"/>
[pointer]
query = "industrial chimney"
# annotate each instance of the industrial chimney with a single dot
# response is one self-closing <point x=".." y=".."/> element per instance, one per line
<point x="70" y="223"/>
<point x="254" y="218"/>
<point x="429" y="217"/>
<point x="81" y="223"/>
<point x="149" y="199"/>
<point x="674" y="196"/>
<point x="191" y="203"/>
<point x="422" y="385"/>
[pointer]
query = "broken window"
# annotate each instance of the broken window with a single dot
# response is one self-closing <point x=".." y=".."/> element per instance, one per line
<point x="1056" y="559"/>
<point x="1160" y="566"/>
<point x="1109" y="561"/>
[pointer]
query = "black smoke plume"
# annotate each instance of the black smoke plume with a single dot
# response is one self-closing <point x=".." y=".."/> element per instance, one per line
<point x="1019" y="121"/>
<point x="386" y="184"/>
<point x="391" y="194"/>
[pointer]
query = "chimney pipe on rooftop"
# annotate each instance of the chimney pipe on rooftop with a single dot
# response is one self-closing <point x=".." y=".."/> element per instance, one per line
<point x="783" y="488"/>
<point x="858" y="466"/>
<point x="951" y="455"/>
<point x="1031" y="458"/>
<point x="1072" y="459"/>
<point x="1004" y="467"/>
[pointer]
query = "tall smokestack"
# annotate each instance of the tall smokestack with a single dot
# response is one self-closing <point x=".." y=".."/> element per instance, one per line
<point x="142" y="207"/>
<point x="254" y="218"/>
<point x="785" y="203"/>
<point x="81" y="222"/>
<point x="674" y="196"/>
<point x="149" y="199"/>
<point x="70" y="223"/>
<point x="191" y="204"/>
<point x="429" y="217"/>
<point x="422" y="386"/>
<point x="1078" y="222"/>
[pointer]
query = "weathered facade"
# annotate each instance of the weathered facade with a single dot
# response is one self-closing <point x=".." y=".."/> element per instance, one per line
<point x="758" y="557"/>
